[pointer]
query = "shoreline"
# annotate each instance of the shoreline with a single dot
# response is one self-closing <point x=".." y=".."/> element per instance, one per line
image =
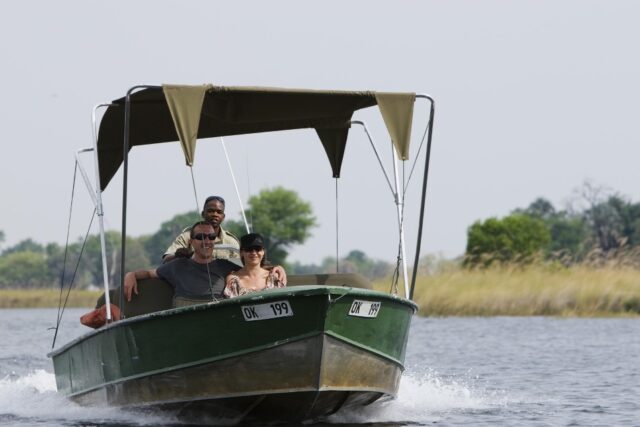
<point x="46" y="298"/>
<point x="535" y="290"/>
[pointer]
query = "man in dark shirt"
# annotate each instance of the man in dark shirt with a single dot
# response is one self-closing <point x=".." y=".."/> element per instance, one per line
<point x="195" y="280"/>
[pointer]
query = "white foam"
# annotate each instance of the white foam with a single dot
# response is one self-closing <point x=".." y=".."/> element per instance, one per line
<point x="40" y="381"/>
<point x="33" y="398"/>
<point x="424" y="399"/>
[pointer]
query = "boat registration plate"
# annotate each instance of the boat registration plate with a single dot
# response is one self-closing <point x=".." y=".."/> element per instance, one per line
<point x="269" y="310"/>
<point x="361" y="308"/>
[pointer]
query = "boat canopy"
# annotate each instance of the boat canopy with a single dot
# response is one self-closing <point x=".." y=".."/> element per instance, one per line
<point x="187" y="113"/>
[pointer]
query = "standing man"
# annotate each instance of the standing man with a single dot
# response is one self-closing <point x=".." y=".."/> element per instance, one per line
<point x="195" y="280"/>
<point x="213" y="212"/>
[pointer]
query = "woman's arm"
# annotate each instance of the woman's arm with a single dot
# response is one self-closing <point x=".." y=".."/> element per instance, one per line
<point x="232" y="286"/>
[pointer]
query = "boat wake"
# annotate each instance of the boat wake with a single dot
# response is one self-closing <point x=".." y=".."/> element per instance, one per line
<point x="422" y="399"/>
<point x="33" y="400"/>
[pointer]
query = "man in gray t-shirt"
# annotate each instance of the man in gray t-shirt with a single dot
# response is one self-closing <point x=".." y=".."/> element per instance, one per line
<point x="196" y="279"/>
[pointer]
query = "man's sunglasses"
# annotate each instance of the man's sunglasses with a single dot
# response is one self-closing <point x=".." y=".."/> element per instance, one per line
<point x="252" y="249"/>
<point x="202" y="236"/>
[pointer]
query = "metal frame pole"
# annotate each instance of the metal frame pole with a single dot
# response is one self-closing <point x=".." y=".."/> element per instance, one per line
<point x="424" y="191"/>
<point x="400" y="208"/>
<point x="83" y="174"/>
<point x="100" y="212"/>
<point x="125" y="169"/>
<point x="235" y="185"/>
<point x="375" y="150"/>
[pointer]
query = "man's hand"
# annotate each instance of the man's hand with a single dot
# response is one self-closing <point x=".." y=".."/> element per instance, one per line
<point x="183" y="253"/>
<point x="280" y="274"/>
<point x="130" y="285"/>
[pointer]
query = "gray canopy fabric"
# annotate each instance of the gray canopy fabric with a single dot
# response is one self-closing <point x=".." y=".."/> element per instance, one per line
<point x="188" y="113"/>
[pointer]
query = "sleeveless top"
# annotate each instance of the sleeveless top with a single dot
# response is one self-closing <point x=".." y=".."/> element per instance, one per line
<point x="233" y="287"/>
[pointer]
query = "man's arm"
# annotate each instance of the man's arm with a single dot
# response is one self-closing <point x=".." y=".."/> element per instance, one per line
<point x="180" y="244"/>
<point x="131" y="281"/>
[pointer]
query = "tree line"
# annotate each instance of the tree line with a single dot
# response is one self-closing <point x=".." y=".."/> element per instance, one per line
<point x="598" y="225"/>
<point x="279" y="214"/>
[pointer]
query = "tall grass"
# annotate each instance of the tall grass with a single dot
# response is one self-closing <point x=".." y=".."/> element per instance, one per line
<point x="611" y="289"/>
<point x="37" y="298"/>
<point x="537" y="289"/>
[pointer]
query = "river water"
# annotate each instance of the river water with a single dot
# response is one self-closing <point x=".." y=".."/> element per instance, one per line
<point x="510" y="371"/>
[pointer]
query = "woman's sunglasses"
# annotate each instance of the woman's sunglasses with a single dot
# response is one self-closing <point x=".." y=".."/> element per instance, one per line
<point x="252" y="249"/>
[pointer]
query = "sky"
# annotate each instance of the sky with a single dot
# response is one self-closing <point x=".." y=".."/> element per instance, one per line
<point x="532" y="99"/>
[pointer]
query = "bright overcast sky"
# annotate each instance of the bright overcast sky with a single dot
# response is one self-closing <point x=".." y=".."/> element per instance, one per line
<point x="532" y="98"/>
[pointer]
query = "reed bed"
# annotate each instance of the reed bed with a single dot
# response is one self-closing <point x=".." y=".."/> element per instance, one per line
<point x="533" y="290"/>
<point x="39" y="298"/>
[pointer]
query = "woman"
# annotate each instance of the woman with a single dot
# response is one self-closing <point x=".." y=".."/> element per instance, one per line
<point x="253" y="276"/>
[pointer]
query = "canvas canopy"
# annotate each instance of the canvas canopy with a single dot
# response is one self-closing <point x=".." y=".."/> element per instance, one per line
<point x="187" y="113"/>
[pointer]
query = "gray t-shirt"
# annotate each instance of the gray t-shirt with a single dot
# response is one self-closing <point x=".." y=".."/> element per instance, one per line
<point x="197" y="281"/>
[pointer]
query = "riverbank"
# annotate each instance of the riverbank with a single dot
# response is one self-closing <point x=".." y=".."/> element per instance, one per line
<point x="537" y="290"/>
<point x="46" y="298"/>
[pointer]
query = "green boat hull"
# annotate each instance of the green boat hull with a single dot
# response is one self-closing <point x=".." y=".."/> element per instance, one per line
<point x="286" y="354"/>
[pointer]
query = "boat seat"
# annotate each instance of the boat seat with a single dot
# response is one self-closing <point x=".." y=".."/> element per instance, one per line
<point x="153" y="295"/>
<point x="353" y="280"/>
<point x="157" y="294"/>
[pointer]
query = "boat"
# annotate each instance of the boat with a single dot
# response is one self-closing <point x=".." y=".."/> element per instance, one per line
<point x="323" y="343"/>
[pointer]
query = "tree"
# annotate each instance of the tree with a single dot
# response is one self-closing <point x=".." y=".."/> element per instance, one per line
<point x="158" y="242"/>
<point x="568" y="232"/>
<point x="92" y="258"/>
<point x="540" y="208"/>
<point x="24" y="269"/>
<point x="623" y="221"/>
<point x="358" y="262"/>
<point x="515" y="238"/>
<point x="355" y="262"/>
<point x="569" y="236"/>
<point x="55" y="262"/>
<point x="27" y="245"/>
<point x="282" y="217"/>
<point x="1" y="239"/>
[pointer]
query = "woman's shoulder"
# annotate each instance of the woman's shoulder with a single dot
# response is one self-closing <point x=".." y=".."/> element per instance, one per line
<point x="232" y="277"/>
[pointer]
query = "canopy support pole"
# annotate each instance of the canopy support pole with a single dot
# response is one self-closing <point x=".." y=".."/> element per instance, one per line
<point x="375" y="150"/>
<point x="85" y="177"/>
<point x="96" y="198"/>
<point x="337" y="230"/>
<point x="235" y="185"/>
<point x="424" y="191"/>
<point x="399" y="200"/>
<point x="195" y="191"/>
<point x="125" y="169"/>
<point x="100" y="212"/>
